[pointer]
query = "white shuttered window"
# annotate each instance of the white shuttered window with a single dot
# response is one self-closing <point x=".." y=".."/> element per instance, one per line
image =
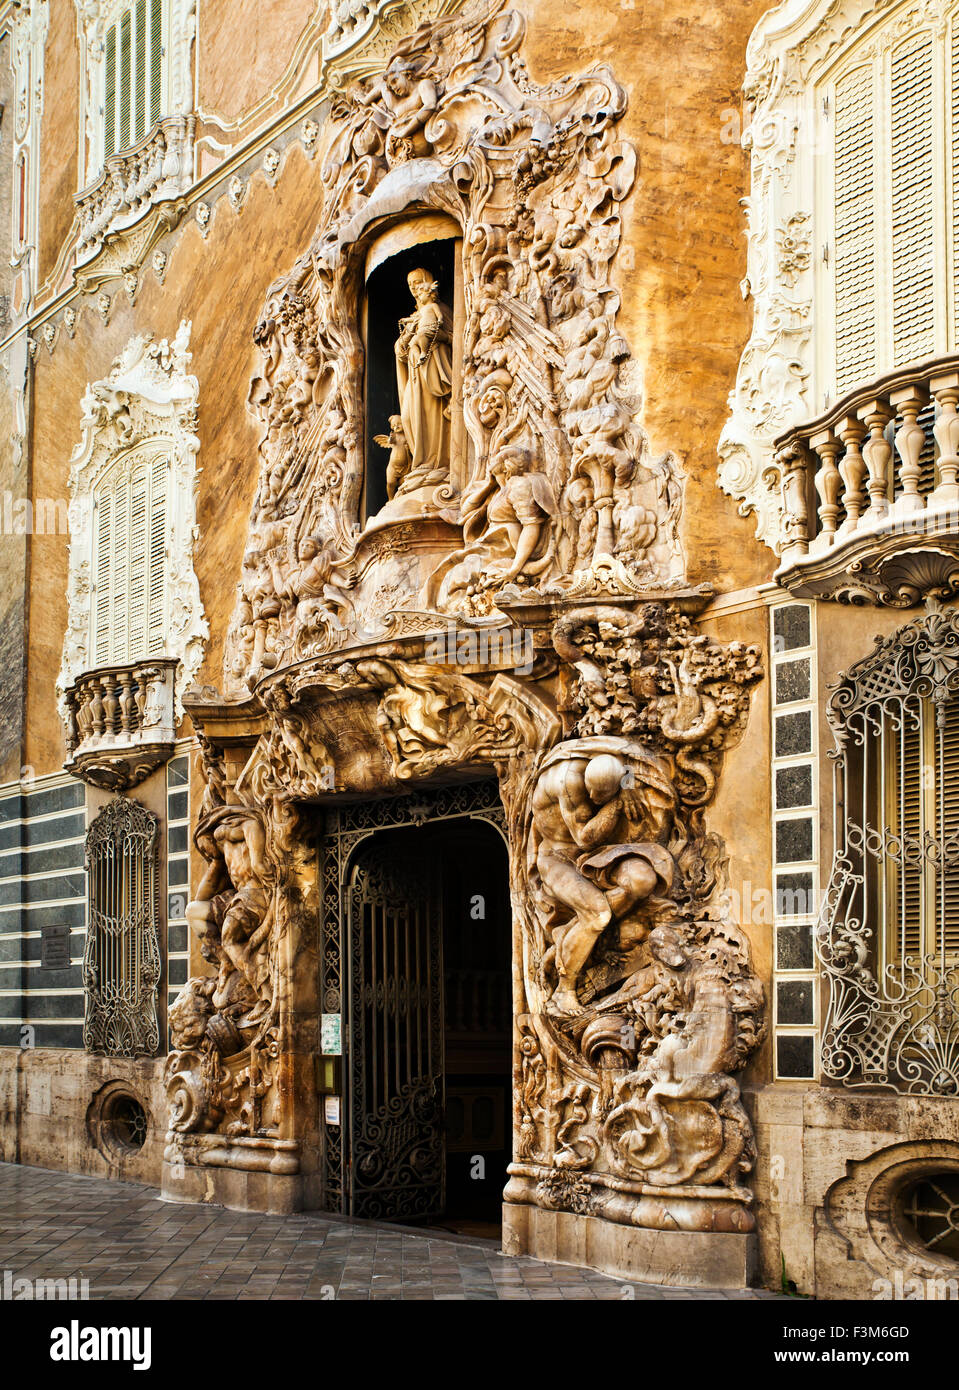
<point x="892" y="116"/>
<point x="129" y="561"/>
<point x="133" y="72"/>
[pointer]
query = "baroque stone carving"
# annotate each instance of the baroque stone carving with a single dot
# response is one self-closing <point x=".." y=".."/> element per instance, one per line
<point x="639" y="989"/>
<point x="223" y="1026"/>
<point x="360" y="659"/>
<point x="554" y="475"/>
<point x="146" y="407"/>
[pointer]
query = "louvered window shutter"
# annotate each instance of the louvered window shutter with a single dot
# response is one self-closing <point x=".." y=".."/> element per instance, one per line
<point x="955" y="179"/>
<point x="912" y="202"/>
<point x="137" y="576"/>
<point x="102" y="579"/>
<point x="156" y="58"/>
<point x="140" y="70"/>
<point x="132" y="75"/>
<point x="855" y="240"/>
<point x="130" y="564"/>
<point x="110" y="94"/>
<point x="156" y="572"/>
<point x="124" y="80"/>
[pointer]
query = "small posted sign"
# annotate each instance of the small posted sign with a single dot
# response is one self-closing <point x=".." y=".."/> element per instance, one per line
<point x="331" y="1043"/>
<point x="55" y="947"/>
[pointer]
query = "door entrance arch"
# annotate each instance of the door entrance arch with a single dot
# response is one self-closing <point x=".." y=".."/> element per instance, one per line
<point x="419" y="955"/>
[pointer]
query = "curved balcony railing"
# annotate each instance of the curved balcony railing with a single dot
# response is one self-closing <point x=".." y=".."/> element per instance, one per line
<point x="871" y="481"/>
<point x="157" y="169"/>
<point x="120" y="722"/>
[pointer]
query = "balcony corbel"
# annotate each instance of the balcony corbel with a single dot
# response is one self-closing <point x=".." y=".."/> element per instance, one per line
<point x="120" y="723"/>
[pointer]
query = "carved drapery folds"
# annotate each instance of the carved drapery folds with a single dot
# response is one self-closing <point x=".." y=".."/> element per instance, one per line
<point x="532" y="617"/>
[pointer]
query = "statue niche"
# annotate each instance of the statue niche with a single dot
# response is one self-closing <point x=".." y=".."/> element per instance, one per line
<point x="409" y="383"/>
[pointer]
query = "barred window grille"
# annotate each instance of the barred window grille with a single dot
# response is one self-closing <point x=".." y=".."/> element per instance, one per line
<point x="893" y="107"/>
<point x="133" y="75"/>
<point x="888" y="935"/>
<point x="129" y="560"/>
<point x="121" y="963"/>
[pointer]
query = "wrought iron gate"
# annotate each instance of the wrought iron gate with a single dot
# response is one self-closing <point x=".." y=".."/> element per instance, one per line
<point x="396" y="1035"/>
<point x="345" y="830"/>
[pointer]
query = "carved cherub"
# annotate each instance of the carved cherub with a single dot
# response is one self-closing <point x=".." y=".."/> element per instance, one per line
<point x="399" y="460"/>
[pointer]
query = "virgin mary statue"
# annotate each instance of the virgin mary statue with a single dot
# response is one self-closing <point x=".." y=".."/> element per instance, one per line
<point x="424" y="373"/>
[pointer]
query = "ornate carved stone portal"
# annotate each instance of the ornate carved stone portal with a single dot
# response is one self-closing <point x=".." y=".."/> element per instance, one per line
<point x="530" y="616"/>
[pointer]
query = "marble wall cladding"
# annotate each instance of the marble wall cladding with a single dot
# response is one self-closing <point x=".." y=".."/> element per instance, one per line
<point x="796" y="847"/>
<point x="42" y="894"/>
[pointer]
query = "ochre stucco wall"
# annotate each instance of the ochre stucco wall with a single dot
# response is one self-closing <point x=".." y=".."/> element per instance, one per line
<point x="245" y="47"/>
<point x="59" y="134"/>
<point x="220" y="284"/>
<point x="684" y="247"/>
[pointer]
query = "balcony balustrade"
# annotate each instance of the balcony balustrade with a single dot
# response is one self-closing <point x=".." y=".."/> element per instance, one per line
<point x="149" y="178"/>
<point x="121" y="723"/>
<point x="870" y="492"/>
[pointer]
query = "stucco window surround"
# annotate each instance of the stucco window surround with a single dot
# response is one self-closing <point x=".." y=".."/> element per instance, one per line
<point x="28" y="29"/>
<point x="136" y="628"/>
<point x="852" y="133"/>
<point x="137" y="119"/>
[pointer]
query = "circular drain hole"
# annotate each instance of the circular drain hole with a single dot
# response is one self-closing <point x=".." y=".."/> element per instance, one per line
<point x="931" y="1209"/>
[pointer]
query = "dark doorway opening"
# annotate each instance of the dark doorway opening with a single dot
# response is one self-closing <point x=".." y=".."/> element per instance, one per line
<point x="430" y="1026"/>
<point x="388" y="300"/>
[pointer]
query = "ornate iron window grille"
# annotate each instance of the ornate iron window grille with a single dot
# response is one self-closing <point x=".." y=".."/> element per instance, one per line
<point x="888" y="932"/>
<point x="121" y="962"/>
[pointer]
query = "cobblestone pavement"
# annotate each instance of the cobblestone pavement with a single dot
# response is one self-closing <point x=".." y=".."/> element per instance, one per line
<point x="131" y="1244"/>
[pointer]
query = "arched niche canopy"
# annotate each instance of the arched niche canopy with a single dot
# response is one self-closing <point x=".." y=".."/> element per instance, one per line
<point x="424" y="241"/>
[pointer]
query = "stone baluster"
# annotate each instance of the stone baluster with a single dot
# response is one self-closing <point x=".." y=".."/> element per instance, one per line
<point x="793" y="464"/>
<point x="910" y="438"/>
<point x="111" y="705"/>
<point x="96" y="709"/>
<point x="828" y="484"/>
<point x="946" y="429"/>
<point x="852" y="470"/>
<point x="84" y="714"/>
<point x="877" y="451"/>
<point x="127" y="703"/>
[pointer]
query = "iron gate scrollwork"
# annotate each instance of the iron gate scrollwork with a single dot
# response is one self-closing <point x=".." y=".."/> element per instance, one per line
<point x="345" y="829"/>
<point x="121" y="959"/>
<point x="395" y="1036"/>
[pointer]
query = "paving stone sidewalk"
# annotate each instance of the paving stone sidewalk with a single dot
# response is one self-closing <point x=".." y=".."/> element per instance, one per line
<point x="130" y="1244"/>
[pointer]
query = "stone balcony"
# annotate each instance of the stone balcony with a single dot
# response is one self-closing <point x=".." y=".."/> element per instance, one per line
<point x="138" y="196"/>
<point x="870" y="493"/>
<point x="120" y="723"/>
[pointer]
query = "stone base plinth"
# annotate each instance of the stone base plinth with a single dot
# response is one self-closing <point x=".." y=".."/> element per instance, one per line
<point x="272" y="1193"/>
<point x="702" y="1260"/>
